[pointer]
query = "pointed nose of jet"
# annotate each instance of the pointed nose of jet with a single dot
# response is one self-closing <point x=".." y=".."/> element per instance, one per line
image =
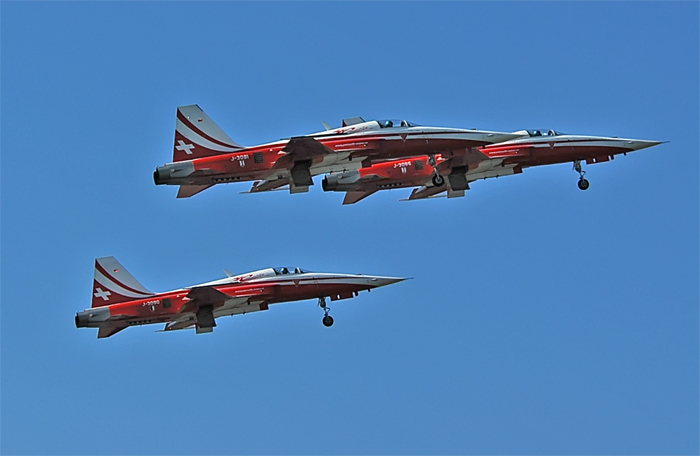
<point x="379" y="281"/>
<point x="638" y="144"/>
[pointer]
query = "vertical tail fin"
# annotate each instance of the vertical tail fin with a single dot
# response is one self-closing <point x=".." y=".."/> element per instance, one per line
<point x="113" y="284"/>
<point x="196" y="135"/>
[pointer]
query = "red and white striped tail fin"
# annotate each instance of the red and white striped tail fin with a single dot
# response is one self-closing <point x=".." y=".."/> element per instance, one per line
<point x="196" y="136"/>
<point x="114" y="284"/>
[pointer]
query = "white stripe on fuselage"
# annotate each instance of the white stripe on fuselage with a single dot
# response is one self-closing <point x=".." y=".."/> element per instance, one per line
<point x="570" y="140"/>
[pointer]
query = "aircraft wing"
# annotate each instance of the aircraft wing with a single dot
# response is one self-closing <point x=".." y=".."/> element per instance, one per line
<point x="425" y="192"/>
<point x="203" y="296"/>
<point x="300" y="149"/>
<point x="268" y="185"/>
<point x="207" y="295"/>
<point x="181" y="323"/>
<point x="110" y="330"/>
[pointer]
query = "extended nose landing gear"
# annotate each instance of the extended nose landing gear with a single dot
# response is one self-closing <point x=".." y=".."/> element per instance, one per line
<point x="438" y="180"/>
<point x="327" y="319"/>
<point x="582" y="182"/>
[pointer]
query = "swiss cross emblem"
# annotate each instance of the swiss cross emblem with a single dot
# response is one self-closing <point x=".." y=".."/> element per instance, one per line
<point x="102" y="294"/>
<point x="184" y="147"/>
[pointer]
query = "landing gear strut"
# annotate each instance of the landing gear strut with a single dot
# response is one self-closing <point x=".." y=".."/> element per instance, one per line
<point x="327" y="319"/>
<point x="438" y="180"/>
<point x="582" y="182"/>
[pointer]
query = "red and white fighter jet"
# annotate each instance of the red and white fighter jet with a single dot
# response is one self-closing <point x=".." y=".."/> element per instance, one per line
<point x="458" y="168"/>
<point x="120" y="301"/>
<point x="203" y="155"/>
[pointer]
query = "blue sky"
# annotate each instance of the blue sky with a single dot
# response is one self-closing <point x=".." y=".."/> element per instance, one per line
<point x="540" y="320"/>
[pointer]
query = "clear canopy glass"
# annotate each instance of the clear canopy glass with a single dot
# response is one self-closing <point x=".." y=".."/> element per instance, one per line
<point x="289" y="270"/>
<point x="393" y="123"/>
<point x="544" y="133"/>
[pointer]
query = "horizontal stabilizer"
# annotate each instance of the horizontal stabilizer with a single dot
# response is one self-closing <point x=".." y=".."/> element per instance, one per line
<point x="186" y="191"/>
<point x="354" y="197"/>
<point x="110" y="330"/>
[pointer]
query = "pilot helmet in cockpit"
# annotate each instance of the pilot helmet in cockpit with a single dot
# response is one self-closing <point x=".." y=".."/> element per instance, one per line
<point x="388" y="124"/>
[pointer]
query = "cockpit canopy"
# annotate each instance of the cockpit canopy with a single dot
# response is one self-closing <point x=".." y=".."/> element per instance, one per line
<point x="386" y="123"/>
<point x="263" y="274"/>
<point x="289" y="270"/>
<point x="391" y="123"/>
<point x="544" y="133"/>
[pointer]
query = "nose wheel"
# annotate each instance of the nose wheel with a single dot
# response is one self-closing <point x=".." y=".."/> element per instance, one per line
<point x="583" y="184"/>
<point x="327" y="319"/>
<point x="438" y="180"/>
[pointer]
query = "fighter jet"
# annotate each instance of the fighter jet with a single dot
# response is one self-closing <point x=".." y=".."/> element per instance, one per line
<point x="533" y="148"/>
<point x="203" y="155"/>
<point x="120" y="301"/>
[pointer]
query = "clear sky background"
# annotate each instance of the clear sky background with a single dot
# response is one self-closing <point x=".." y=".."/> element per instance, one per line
<point x="540" y="320"/>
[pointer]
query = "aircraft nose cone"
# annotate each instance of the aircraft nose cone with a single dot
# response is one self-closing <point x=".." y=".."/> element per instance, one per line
<point x="383" y="281"/>
<point x="637" y="144"/>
